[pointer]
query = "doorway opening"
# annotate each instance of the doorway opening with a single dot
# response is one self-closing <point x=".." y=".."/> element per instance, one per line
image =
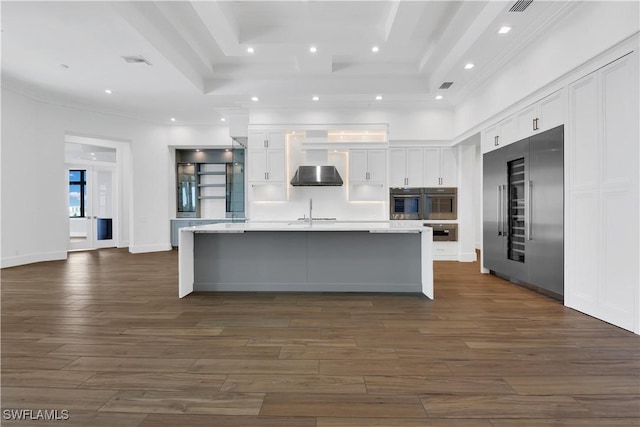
<point x="92" y="196"/>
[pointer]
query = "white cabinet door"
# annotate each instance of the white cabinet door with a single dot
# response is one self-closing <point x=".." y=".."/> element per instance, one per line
<point x="543" y="115"/>
<point x="432" y="167"/>
<point x="507" y="132"/>
<point x="368" y="166"/>
<point x="259" y="139"/>
<point x="358" y="169"/>
<point x="525" y="122"/>
<point x="489" y="141"/>
<point x="275" y="165"/>
<point x="415" y="167"/>
<point x="449" y="167"/>
<point x="275" y="140"/>
<point x="551" y="111"/>
<point x="257" y="165"/>
<point x="377" y="165"/>
<point x="397" y="167"/>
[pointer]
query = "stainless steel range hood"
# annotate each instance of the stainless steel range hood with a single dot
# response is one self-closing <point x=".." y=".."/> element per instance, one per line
<point x="316" y="176"/>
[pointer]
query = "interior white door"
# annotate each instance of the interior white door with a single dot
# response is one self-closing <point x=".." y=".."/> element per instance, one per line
<point x="91" y="196"/>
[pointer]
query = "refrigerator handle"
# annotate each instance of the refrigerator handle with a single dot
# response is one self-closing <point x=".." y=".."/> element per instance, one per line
<point x="505" y="211"/>
<point x="499" y="211"/>
<point x="529" y="211"/>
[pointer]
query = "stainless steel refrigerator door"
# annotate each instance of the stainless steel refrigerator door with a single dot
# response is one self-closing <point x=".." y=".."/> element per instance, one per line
<point x="493" y="187"/>
<point x="545" y="235"/>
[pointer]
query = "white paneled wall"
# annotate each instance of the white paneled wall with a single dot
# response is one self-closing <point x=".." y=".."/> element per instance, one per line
<point x="602" y="241"/>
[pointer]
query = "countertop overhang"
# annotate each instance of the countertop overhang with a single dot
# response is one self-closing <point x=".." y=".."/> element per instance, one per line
<point x="372" y="227"/>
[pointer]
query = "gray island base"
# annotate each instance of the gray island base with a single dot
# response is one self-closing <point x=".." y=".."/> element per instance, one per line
<point x="335" y="257"/>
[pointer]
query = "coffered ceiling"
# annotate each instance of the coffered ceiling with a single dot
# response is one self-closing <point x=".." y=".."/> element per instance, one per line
<point x="194" y="62"/>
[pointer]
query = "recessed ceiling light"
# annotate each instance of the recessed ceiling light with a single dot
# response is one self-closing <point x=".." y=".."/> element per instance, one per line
<point x="92" y="154"/>
<point x="439" y="97"/>
<point x="108" y="91"/>
<point x="375" y="49"/>
<point x="173" y="119"/>
<point x="469" y="66"/>
<point x="250" y="50"/>
<point x="315" y="98"/>
<point x="313" y="49"/>
<point x="255" y="99"/>
<point x="222" y="119"/>
<point x="197" y="150"/>
<point x="379" y="97"/>
<point x="504" y="30"/>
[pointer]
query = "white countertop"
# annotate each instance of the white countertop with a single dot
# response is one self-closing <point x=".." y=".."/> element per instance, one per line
<point x="373" y="227"/>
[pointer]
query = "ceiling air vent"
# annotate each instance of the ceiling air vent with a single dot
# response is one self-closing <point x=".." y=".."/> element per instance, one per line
<point x="136" y="60"/>
<point x="520" y="5"/>
<point x="445" y="85"/>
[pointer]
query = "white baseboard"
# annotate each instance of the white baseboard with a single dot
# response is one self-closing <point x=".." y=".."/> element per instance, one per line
<point x="31" y="258"/>
<point x="140" y="249"/>
<point x="467" y="257"/>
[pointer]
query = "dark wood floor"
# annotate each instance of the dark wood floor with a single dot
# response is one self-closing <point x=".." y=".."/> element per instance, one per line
<point x="104" y="336"/>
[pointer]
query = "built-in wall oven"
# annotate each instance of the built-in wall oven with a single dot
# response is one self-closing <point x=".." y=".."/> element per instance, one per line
<point x="440" y="203"/>
<point x="406" y="203"/>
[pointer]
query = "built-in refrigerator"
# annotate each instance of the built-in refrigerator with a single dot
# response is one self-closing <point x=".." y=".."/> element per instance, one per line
<point x="523" y="211"/>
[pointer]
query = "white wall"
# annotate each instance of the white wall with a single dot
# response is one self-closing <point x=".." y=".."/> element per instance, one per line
<point x="35" y="224"/>
<point x="590" y="29"/>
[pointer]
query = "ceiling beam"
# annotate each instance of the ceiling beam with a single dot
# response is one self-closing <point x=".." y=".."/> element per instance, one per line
<point x="218" y="18"/>
<point x="149" y="21"/>
<point x="459" y="49"/>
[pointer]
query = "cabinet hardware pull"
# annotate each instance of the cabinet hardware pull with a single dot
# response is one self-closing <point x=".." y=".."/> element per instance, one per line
<point x="495" y="141"/>
<point x="266" y="143"/>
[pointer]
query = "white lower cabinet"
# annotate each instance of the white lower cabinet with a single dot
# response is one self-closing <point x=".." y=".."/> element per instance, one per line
<point x="602" y="234"/>
<point x="445" y="251"/>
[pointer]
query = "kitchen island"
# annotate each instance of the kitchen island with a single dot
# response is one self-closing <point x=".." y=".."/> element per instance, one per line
<point x="306" y="257"/>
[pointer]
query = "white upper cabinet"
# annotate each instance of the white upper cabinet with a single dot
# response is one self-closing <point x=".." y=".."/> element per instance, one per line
<point x="441" y="167"/>
<point x="406" y="167"/>
<point x="499" y="135"/>
<point x="266" y="140"/>
<point x="367" y="166"/>
<point x="541" y="116"/>
<point x="266" y="156"/>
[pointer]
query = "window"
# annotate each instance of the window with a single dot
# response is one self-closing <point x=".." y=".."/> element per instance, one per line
<point x="77" y="193"/>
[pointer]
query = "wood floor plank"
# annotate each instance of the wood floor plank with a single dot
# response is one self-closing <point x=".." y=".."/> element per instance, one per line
<point x="502" y="406"/>
<point x="398" y="422"/>
<point x="85" y="419"/>
<point x="54" y="398"/>
<point x="157" y="381"/>
<point x="336" y="353"/>
<point x="342" y="405"/>
<point x="575" y="385"/>
<point x="161" y="402"/>
<point x="572" y="422"/>
<point x="44" y="378"/>
<point x="168" y="420"/>
<point x="383" y="367"/>
<point x="129" y="364"/>
<point x="250" y="366"/>
<point x="436" y="385"/>
<point x="294" y="384"/>
<point x="612" y="406"/>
